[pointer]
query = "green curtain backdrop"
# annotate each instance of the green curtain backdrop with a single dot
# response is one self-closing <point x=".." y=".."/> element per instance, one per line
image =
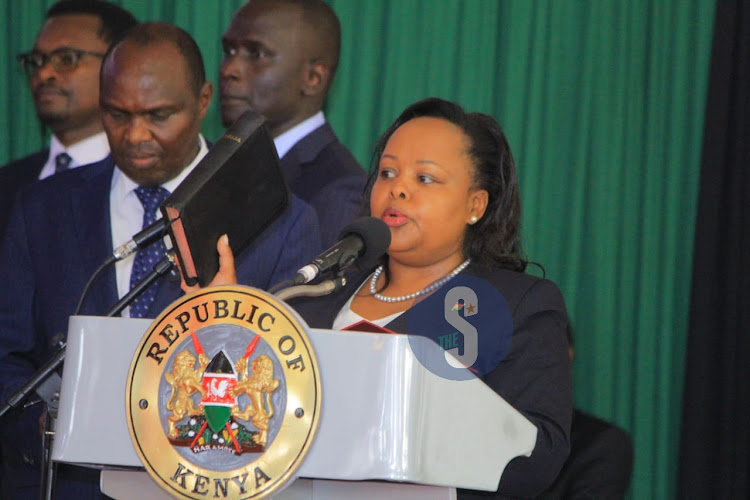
<point x="602" y="102"/>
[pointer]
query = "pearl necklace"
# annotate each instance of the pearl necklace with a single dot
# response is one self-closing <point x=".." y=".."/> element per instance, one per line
<point x="433" y="286"/>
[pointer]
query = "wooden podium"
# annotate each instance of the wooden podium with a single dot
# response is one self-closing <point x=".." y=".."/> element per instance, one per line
<point x="389" y="427"/>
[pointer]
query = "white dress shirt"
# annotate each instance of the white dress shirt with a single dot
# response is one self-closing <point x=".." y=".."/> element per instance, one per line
<point x="288" y="139"/>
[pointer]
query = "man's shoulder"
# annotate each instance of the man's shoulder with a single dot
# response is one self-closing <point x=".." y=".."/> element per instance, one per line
<point x="85" y="183"/>
<point x="321" y="171"/>
<point x="83" y="175"/>
<point x="322" y="149"/>
<point x="26" y="168"/>
<point x="35" y="158"/>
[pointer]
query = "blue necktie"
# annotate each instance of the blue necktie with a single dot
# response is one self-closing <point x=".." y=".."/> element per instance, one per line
<point x="151" y="198"/>
<point x="62" y="162"/>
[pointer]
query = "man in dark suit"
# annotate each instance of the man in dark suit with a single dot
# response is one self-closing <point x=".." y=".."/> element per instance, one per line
<point x="153" y="98"/>
<point x="63" y="71"/>
<point x="280" y="58"/>
<point x="601" y="458"/>
<point x="600" y="462"/>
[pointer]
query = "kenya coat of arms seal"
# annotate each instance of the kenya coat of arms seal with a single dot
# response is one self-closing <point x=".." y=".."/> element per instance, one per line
<point x="223" y="396"/>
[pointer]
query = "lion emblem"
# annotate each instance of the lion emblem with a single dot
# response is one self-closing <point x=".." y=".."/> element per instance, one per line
<point x="258" y="386"/>
<point x="185" y="380"/>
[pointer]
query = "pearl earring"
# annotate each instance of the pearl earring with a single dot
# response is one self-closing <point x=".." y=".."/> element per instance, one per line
<point x="473" y="219"/>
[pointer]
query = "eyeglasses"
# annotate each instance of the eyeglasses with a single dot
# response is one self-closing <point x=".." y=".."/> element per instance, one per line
<point x="63" y="60"/>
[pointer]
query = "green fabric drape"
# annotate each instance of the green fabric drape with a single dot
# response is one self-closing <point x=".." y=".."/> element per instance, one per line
<point x="603" y="105"/>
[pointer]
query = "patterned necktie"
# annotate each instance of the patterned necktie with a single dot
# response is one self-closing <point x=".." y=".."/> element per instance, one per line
<point x="62" y="162"/>
<point x="151" y="198"/>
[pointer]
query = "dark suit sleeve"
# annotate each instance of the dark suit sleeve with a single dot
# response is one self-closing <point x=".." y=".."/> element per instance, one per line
<point x="608" y="475"/>
<point x="535" y="379"/>
<point x="323" y="173"/>
<point x="17" y="339"/>
<point x="600" y="462"/>
<point x="300" y="242"/>
<point x="19" y="347"/>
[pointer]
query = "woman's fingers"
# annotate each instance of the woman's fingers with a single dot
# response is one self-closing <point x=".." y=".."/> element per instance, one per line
<point x="226" y="275"/>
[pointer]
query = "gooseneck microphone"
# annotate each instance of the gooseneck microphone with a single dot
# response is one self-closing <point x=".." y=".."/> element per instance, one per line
<point x="365" y="238"/>
<point x="142" y="239"/>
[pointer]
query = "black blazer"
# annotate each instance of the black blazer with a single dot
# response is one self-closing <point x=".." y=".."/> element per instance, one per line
<point x="13" y="177"/>
<point x="323" y="173"/>
<point x="600" y="462"/>
<point x="534" y="377"/>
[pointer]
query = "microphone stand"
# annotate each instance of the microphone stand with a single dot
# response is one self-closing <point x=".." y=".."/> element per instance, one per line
<point x="46" y="489"/>
<point x="161" y="268"/>
<point x="49" y="467"/>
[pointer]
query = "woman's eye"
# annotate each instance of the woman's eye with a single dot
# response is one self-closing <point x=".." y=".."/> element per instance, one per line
<point x="425" y="179"/>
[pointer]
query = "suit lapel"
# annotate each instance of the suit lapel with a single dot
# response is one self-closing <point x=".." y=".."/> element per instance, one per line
<point x="305" y="151"/>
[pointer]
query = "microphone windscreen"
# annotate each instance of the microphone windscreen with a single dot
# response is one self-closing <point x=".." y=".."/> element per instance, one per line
<point x="375" y="235"/>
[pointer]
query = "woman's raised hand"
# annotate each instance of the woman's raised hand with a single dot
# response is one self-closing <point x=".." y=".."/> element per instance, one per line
<point x="226" y="275"/>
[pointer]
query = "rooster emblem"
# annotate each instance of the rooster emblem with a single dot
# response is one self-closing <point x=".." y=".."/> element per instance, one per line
<point x="219" y="388"/>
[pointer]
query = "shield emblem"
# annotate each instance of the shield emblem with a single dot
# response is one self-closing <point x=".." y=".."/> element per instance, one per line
<point x="218" y="381"/>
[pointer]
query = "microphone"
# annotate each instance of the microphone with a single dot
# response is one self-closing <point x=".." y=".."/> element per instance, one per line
<point x="142" y="239"/>
<point x="365" y="237"/>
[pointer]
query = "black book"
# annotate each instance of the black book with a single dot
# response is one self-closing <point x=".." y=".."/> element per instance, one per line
<point x="237" y="189"/>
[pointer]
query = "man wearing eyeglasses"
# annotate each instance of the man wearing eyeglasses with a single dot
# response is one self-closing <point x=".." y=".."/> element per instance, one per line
<point x="63" y="74"/>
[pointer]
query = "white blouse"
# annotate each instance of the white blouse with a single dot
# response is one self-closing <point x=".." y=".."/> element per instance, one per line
<point x="347" y="317"/>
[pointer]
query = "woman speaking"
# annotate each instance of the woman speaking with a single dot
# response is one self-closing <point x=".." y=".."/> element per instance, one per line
<point x="445" y="183"/>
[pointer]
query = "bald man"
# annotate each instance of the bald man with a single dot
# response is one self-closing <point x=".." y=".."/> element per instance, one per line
<point x="280" y="58"/>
